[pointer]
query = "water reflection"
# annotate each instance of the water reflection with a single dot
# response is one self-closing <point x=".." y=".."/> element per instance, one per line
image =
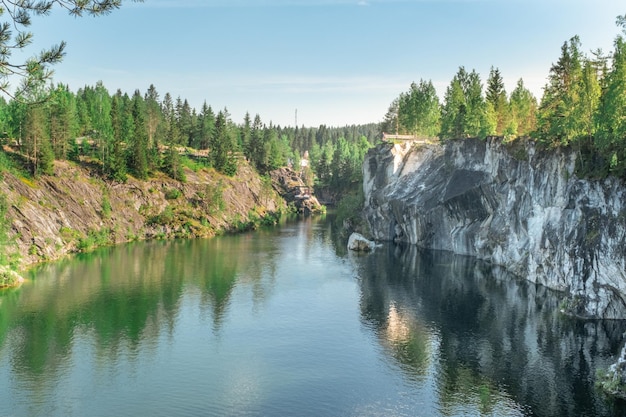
<point x="127" y="298"/>
<point x="285" y="319"/>
<point x="498" y="342"/>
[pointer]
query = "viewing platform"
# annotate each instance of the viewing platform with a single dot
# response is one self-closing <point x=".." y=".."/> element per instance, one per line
<point x="389" y="137"/>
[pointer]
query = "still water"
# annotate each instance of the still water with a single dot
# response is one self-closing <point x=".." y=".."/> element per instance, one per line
<point x="285" y="322"/>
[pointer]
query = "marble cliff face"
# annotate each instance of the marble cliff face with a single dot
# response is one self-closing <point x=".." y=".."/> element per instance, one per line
<point x="518" y="206"/>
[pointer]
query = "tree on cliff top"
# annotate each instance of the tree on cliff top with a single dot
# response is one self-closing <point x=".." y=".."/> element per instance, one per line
<point x="14" y="36"/>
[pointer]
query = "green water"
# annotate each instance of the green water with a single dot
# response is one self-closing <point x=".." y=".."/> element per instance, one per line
<point x="284" y="322"/>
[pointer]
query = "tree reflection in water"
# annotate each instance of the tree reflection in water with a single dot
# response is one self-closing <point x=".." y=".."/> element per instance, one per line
<point x="483" y="335"/>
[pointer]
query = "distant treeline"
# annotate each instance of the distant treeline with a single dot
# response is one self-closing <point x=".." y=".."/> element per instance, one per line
<point x="583" y="106"/>
<point x="142" y="134"/>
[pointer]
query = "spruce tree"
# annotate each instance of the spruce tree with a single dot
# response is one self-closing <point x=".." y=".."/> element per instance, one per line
<point x="497" y="97"/>
<point x="558" y="121"/>
<point x="139" y="148"/>
<point x="523" y="106"/>
<point x="611" y="115"/>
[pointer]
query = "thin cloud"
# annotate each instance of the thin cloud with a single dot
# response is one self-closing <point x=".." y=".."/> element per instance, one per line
<point x="281" y="3"/>
<point x="312" y="84"/>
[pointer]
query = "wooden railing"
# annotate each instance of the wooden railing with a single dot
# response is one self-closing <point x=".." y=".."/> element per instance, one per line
<point x="390" y="136"/>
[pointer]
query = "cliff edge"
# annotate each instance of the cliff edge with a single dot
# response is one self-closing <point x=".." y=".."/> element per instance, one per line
<point x="76" y="210"/>
<point x="514" y="205"/>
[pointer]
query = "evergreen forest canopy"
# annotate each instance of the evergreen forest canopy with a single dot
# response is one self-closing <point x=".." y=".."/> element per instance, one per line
<point x="142" y="134"/>
<point x="583" y="107"/>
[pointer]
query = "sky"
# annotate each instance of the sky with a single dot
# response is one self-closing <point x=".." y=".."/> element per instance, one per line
<point x="332" y="62"/>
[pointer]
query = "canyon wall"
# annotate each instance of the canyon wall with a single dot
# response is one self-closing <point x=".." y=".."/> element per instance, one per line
<point x="515" y="205"/>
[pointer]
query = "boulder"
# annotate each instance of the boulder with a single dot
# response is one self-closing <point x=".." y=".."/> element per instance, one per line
<point x="359" y="243"/>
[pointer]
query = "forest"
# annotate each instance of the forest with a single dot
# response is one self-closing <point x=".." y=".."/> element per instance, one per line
<point x="583" y="107"/>
<point x="141" y="134"/>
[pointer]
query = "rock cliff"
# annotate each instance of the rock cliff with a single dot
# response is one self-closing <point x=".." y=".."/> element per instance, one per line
<point x="516" y="205"/>
<point x="76" y="210"/>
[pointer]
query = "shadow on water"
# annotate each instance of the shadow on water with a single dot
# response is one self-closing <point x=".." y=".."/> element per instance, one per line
<point x="485" y="334"/>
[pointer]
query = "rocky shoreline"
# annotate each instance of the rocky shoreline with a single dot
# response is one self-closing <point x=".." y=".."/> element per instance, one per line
<point x="76" y="210"/>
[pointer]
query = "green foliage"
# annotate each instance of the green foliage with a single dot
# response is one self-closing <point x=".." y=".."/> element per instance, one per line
<point x="173" y="165"/>
<point x="106" y="206"/>
<point x="8" y="277"/>
<point x="611" y="116"/>
<point x="523" y="108"/>
<point x="559" y="120"/>
<point x="15" y="37"/>
<point x="10" y="163"/>
<point x="9" y="255"/>
<point x="94" y="239"/>
<point x="166" y="217"/>
<point x="419" y="111"/>
<point x="223" y="146"/>
<point x="68" y="234"/>
<point x="465" y="112"/>
<point x="349" y="209"/>
<point x="172" y="194"/>
<point x="213" y="198"/>
<point x="611" y="383"/>
<point x="498" y="109"/>
<point x="138" y="158"/>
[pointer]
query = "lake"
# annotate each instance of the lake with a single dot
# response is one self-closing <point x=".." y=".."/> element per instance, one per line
<point x="285" y="322"/>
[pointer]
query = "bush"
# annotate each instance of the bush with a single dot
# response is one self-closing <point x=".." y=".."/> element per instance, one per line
<point x="164" y="218"/>
<point x="8" y="249"/>
<point x="106" y="206"/>
<point x="349" y="208"/>
<point x="8" y="277"/>
<point x="94" y="239"/>
<point x="172" y="194"/>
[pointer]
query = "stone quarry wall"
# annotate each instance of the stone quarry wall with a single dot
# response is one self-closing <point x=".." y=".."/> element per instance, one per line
<point x="519" y="206"/>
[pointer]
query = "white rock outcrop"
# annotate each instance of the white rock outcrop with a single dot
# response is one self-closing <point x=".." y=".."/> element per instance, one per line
<point x="358" y="243"/>
<point x="513" y="205"/>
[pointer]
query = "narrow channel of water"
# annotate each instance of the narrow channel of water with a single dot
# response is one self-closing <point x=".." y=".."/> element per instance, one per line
<point x="285" y="322"/>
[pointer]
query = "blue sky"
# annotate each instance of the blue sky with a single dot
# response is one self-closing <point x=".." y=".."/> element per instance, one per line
<point x="337" y="62"/>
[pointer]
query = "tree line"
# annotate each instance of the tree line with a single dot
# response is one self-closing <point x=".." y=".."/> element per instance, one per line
<point x="141" y="133"/>
<point x="583" y="106"/>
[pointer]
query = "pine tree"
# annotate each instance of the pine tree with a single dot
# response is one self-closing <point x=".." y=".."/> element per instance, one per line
<point x="497" y="97"/>
<point x="558" y="120"/>
<point x="115" y="167"/>
<point x="37" y="144"/>
<point x="139" y="148"/>
<point x="154" y="115"/>
<point x="62" y="127"/>
<point x="523" y="111"/>
<point x="611" y="115"/>
<point x="15" y="37"/>
<point x="222" y="148"/>
<point x="206" y="127"/>
<point x="246" y="136"/>
<point x="419" y="111"/>
<point x="390" y="121"/>
<point x="257" y="145"/>
<point x="454" y="109"/>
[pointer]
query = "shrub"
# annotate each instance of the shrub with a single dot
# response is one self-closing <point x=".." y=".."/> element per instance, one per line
<point x="106" y="206"/>
<point x="94" y="239"/>
<point x="172" y="194"/>
<point x="8" y="277"/>
<point x="164" y="218"/>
